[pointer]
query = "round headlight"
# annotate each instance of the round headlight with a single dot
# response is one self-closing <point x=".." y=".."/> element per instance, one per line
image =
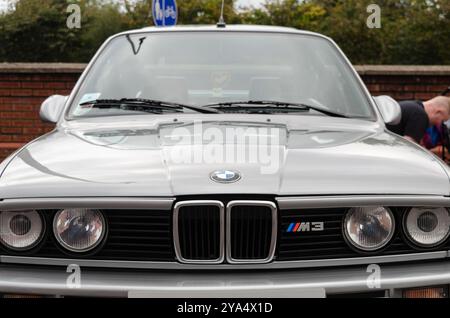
<point x="427" y="227"/>
<point x="21" y="230"/>
<point x="79" y="230"/>
<point x="369" y="228"/>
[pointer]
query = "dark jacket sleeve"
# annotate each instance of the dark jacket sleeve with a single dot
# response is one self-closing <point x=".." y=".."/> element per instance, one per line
<point x="416" y="126"/>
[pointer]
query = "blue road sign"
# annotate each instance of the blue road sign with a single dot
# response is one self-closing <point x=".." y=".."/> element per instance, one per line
<point x="165" y="12"/>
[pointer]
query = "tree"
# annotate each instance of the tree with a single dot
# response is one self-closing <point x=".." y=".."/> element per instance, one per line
<point x="412" y="32"/>
<point x="33" y="32"/>
<point x="291" y="13"/>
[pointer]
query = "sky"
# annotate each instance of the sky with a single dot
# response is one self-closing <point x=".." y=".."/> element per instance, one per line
<point x="2" y="5"/>
<point x="255" y="3"/>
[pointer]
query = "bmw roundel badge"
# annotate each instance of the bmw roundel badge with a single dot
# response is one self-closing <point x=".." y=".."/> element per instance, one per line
<point x="225" y="176"/>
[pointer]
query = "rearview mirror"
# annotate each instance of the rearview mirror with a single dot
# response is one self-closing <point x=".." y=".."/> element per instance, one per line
<point x="390" y="110"/>
<point x="52" y="108"/>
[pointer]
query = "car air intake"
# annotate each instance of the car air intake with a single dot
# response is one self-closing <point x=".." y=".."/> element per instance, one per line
<point x="251" y="231"/>
<point x="198" y="231"/>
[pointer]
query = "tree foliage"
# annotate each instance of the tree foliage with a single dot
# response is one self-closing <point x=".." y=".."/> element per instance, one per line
<point x="412" y="32"/>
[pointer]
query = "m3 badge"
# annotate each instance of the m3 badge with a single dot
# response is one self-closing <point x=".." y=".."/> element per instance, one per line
<point x="305" y="227"/>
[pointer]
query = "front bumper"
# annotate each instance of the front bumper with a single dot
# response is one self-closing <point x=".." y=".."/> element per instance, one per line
<point x="24" y="279"/>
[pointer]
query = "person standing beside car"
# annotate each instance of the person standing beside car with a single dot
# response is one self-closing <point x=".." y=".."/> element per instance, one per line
<point x="417" y="116"/>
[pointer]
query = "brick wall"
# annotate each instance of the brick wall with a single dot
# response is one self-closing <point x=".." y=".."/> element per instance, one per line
<point x="405" y="82"/>
<point x="23" y="87"/>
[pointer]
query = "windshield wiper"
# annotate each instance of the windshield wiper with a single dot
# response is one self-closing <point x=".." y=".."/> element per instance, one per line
<point x="149" y="105"/>
<point x="268" y="105"/>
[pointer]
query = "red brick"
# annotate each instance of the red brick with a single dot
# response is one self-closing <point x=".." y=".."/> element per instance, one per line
<point x="43" y="92"/>
<point x="5" y="123"/>
<point x="70" y="85"/>
<point x="11" y="100"/>
<point x="9" y="84"/>
<point x="391" y="87"/>
<point x="21" y="92"/>
<point x="63" y="92"/>
<point x="10" y="145"/>
<point x="437" y="88"/>
<point x="438" y="80"/>
<point x="22" y="123"/>
<point x="23" y="100"/>
<point x="43" y="77"/>
<point x="10" y="77"/>
<point x="18" y="107"/>
<point x="55" y="85"/>
<point x="32" y="85"/>
<point x="5" y="92"/>
<point x="9" y="130"/>
<point x="65" y="78"/>
<point x="18" y="115"/>
<point x="403" y="96"/>
<point x="424" y="96"/>
<point x="22" y="138"/>
<point x="373" y="87"/>
<point x="24" y="107"/>
<point x="415" y="88"/>
<point x="5" y="138"/>
<point x="32" y="131"/>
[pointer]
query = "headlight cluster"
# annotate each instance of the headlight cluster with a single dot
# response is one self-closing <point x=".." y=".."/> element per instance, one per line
<point x="76" y="230"/>
<point x="79" y="230"/>
<point x="371" y="228"/>
<point x="21" y="230"/>
<point x="427" y="227"/>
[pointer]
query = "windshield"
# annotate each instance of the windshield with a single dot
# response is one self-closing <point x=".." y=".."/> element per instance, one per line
<point x="202" y="68"/>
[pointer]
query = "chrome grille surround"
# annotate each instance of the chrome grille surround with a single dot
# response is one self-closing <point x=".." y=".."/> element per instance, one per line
<point x="176" y="231"/>
<point x="273" y="236"/>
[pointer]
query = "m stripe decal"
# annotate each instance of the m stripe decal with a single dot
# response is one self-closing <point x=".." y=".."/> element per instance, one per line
<point x="290" y="227"/>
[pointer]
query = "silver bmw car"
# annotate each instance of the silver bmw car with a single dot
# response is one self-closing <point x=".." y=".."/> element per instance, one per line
<point x="223" y="161"/>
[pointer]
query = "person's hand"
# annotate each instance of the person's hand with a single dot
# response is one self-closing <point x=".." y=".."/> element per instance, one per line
<point x="438" y="152"/>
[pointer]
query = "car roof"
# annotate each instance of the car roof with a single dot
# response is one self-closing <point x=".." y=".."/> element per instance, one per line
<point x="227" y="28"/>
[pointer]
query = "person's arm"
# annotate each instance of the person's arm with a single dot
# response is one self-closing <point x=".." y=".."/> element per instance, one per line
<point x="438" y="152"/>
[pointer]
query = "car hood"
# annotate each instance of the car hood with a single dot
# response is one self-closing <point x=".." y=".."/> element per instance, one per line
<point x="163" y="156"/>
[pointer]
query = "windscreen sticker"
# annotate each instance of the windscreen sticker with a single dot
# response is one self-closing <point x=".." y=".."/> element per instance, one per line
<point x="80" y="111"/>
<point x="89" y="97"/>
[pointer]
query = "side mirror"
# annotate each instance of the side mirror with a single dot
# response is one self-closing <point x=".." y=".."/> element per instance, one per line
<point x="390" y="110"/>
<point x="52" y="108"/>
